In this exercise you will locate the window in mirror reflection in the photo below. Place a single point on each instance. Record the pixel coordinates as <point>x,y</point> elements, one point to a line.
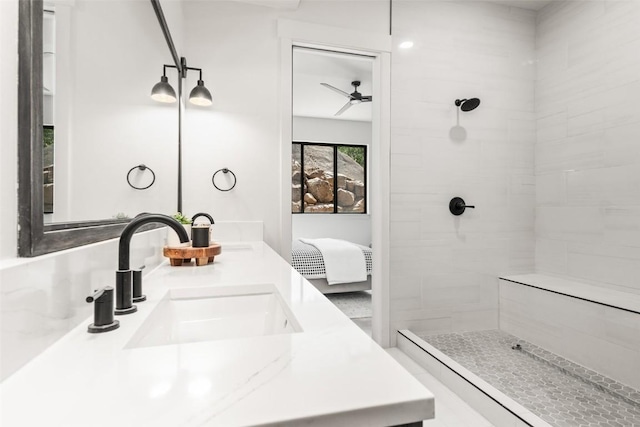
<point>48,169</point>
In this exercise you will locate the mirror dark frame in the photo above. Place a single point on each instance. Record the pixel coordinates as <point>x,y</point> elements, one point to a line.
<point>180,64</point>
<point>34,237</point>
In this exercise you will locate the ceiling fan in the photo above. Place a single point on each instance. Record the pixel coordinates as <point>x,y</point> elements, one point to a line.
<point>354,98</point>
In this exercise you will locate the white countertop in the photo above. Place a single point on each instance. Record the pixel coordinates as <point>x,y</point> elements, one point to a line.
<point>330,374</point>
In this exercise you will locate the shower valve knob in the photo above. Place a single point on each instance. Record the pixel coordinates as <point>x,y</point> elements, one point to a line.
<point>457,206</point>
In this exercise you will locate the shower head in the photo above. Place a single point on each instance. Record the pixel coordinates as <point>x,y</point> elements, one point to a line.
<point>467,104</point>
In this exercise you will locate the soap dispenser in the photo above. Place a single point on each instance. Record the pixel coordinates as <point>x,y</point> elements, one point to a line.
<point>201,233</point>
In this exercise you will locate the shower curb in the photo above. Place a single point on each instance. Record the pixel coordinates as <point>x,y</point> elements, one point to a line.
<point>491,403</point>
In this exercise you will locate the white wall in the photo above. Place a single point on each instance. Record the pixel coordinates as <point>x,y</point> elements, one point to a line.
<point>313,129</point>
<point>106,123</point>
<point>587,151</point>
<point>444,268</point>
<point>8,128</point>
<point>577,148</point>
<point>172,10</point>
<point>237,46</point>
<point>354,228</point>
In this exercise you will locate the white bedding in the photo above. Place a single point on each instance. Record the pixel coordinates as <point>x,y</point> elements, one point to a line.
<point>344,261</point>
<point>308,261</point>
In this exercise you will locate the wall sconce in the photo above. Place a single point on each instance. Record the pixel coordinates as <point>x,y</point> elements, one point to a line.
<point>163,91</point>
<point>200,95</point>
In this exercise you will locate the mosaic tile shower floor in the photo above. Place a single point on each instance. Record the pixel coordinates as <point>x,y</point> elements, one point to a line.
<point>559,391</point>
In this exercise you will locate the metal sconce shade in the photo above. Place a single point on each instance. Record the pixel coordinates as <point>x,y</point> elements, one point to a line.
<point>163,92</point>
<point>200,95</point>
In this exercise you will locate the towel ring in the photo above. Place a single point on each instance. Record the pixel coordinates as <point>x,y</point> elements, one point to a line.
<point>224,170</point>
<point>142,168</point>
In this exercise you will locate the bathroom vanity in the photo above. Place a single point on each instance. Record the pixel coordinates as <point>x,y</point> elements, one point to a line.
<point>243,341</point>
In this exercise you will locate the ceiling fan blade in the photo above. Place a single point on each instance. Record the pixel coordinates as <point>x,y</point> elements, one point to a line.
<point>343,109</point>
<point>367,98</point>
<point>335,89</point>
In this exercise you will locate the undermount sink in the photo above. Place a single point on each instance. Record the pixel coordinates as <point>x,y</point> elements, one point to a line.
<point>215,313</point>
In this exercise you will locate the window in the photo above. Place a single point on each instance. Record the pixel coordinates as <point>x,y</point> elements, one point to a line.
<point>328,178</point>
<point>47,161</point>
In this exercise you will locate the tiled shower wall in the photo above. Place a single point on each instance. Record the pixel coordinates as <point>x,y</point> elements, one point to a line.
<point>444,268</point>
<point>588,141</point>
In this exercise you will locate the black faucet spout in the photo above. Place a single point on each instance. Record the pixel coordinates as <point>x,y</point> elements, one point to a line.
<point>137,222</point>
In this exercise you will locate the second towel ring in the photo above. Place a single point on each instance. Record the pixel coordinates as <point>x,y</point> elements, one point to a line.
<point>225,171</point>
<point>142,168</point>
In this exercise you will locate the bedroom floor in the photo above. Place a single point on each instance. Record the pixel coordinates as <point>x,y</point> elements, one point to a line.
<point>356,306</point>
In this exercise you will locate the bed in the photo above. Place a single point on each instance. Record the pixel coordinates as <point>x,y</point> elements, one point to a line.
<point>308,261</point>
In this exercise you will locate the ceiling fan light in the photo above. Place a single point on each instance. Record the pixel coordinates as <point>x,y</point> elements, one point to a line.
<point>354,98</point>
<point>200,95</point>
<point>163,92</point>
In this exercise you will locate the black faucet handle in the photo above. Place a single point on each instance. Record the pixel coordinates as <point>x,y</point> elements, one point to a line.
<point>102,311</point>
<point>137,286</point>
<point>97,294</point>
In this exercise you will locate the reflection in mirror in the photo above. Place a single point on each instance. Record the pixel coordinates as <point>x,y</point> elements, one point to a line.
<point>98,121</point>
<point>85,119</point>
<point>48,90</point>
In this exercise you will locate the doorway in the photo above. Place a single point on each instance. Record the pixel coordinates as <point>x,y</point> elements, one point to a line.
<point>331,137</point>
<point>294,33</point>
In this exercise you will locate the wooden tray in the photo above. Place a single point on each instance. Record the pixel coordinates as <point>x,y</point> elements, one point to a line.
<point>179,255</point>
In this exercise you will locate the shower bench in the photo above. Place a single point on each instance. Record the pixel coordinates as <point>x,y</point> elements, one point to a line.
<point>597,326</point>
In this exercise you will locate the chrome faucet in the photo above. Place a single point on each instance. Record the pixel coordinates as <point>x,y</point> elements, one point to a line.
<point>129,285</point>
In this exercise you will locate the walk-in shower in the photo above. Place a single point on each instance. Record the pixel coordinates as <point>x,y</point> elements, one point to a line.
<point>550,158</point>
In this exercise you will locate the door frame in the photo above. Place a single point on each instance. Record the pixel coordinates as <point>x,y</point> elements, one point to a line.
<point>303,34</point>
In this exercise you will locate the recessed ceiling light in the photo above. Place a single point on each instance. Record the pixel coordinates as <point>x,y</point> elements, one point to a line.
<point>406,45</point>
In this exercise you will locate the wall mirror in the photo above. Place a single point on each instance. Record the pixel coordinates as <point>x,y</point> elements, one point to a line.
<point>85,119</point>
